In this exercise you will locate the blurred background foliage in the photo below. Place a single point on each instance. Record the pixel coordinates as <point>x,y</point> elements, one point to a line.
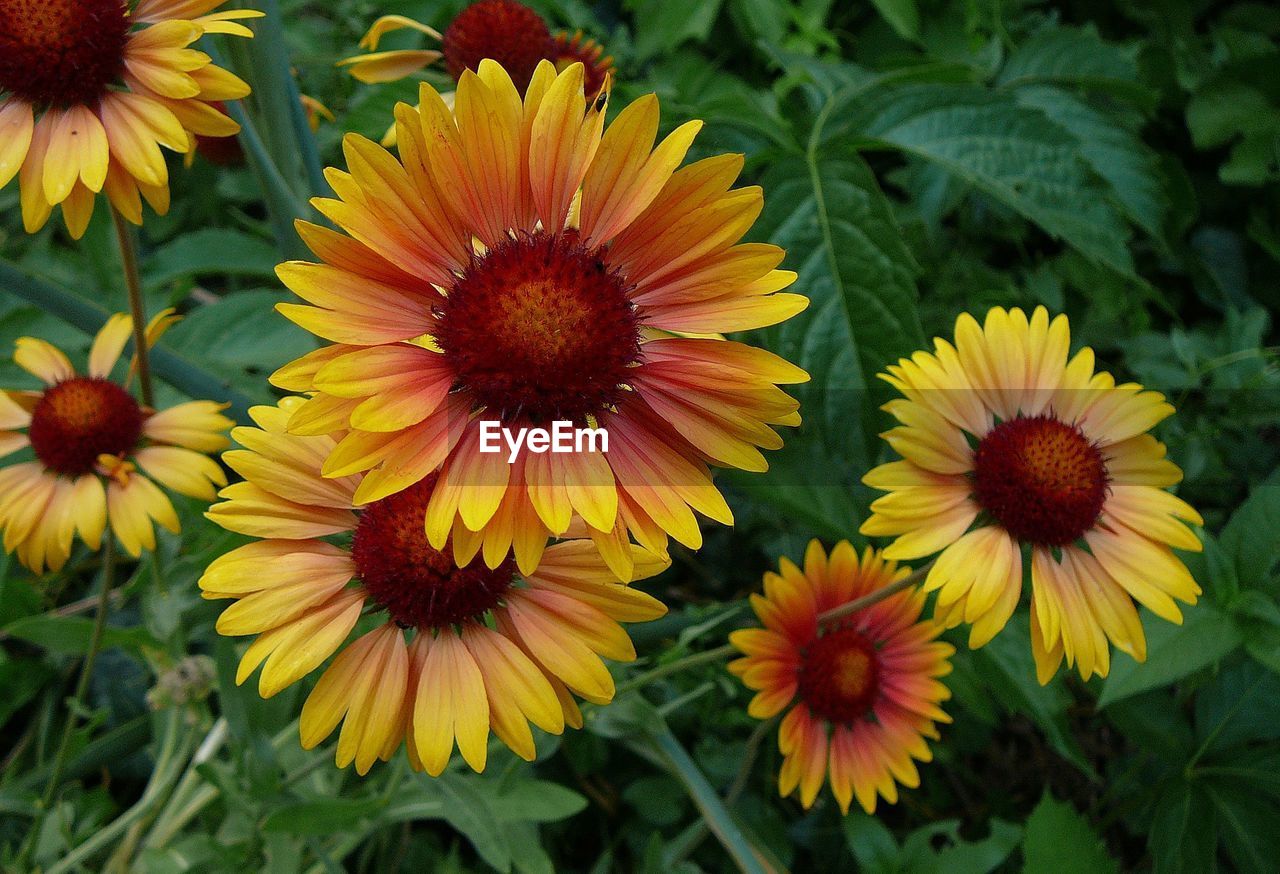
<point>1117,161</point>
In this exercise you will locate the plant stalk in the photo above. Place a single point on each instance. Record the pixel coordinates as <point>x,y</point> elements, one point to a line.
<point>137,307</point>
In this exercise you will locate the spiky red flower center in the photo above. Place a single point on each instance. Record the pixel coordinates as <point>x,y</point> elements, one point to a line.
<point>539,328</point>
<point>840,676</point>
<point>420,586</point>
<point>508,32</point>
<point>79,419</point>
<point>1041,479</point>
<point>569,49</point>
<point>61,52</point>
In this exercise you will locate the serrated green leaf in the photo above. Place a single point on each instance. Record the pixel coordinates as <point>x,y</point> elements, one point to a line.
<point>1114,153</point>
<point>827,210</point>
<point>1058,840</point>
<point>1183,838</point>
<point>1079,56</point>
<point>1011,152</point>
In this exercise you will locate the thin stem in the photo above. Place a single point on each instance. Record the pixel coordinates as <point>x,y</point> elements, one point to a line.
<point>82,687</point>
<point>875,597</point>
<point>722,652</point>
<point>137,308</point>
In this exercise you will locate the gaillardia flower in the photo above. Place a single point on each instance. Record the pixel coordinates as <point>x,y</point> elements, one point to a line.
<point>520,266</point>
<point>1007,445</point>
<point>504,31</point>
<point>97,451</point>
<point>91,89</point>
<point>863,689</point>
<point>490,648</point>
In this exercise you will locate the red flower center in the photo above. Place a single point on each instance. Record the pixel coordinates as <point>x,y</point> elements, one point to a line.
<point>508,32</point>
<point>540,329</point>
<point>79,419</point>
<point>840,677</point>
<point>61,52</point>
<point>417,584</point>
<point>1041,479</point>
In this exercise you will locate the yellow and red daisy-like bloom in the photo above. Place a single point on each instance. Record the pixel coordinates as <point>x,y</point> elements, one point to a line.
<point>863,689</point>
<point>1007,445</point>
<point>504,31</point>
<point>97,452</point>
<point>91,89</point>
<point>490,648</point>
<point>520,265</point>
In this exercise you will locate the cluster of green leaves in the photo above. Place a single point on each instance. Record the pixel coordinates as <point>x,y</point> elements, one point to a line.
<point>920,158</point>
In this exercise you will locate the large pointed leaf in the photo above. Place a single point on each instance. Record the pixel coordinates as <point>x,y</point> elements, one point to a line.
<point>1011,152</point>
<point>826,210</point>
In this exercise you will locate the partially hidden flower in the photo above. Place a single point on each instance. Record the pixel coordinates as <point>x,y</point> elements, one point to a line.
<point>520,265</point>
<point>861,692</point>
<point>91,89</point>
<point>457,651</point>
<point>1011,448</point>
<point>98,453</point>
<point>505,31</point>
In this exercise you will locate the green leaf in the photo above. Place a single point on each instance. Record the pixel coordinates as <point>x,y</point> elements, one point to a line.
<point>1076,56</point>
<point>535,801</point>
<point>871,843</point>
<point>1183,838</point>
<point>1058,840</point>
<point>70,635</point>
<point>1011,152</point>
<point>242,339</point>
<point>1113,152</point>
<point>938,848</point>
<point>1246,828</point>
<point>219,251</point>
<point>663,25</point>
<point>1173,651</point>
<point>1249,538</point>
<point>903,16</point>
<point>468,811</point>
<point>826,209</point>
<point>321,816</point>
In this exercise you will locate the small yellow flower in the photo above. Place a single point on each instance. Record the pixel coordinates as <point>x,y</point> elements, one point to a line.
<point>1042,453</point>
<point>97,452</point>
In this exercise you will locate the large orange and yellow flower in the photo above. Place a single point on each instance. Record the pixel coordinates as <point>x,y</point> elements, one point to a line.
<point>863,689</point>
<point>97,451</point>
<point>91,89</point>
<point>521,265</point>
<point>490,648</point>
<point>1007,444</point>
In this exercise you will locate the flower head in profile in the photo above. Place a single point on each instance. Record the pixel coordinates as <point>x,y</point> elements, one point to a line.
<point>98,453</point>
<point>521,265</point>
<point>1010,447</point>
<point>505,31</point>
<point>91,89</point>
<point>457,651</point>
<point>863,689</point>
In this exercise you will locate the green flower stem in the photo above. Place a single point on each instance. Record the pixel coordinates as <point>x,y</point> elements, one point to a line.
<point>137,308</point>
<point>75,310</point>
<point>170,762</point>
<point>78,699</point>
